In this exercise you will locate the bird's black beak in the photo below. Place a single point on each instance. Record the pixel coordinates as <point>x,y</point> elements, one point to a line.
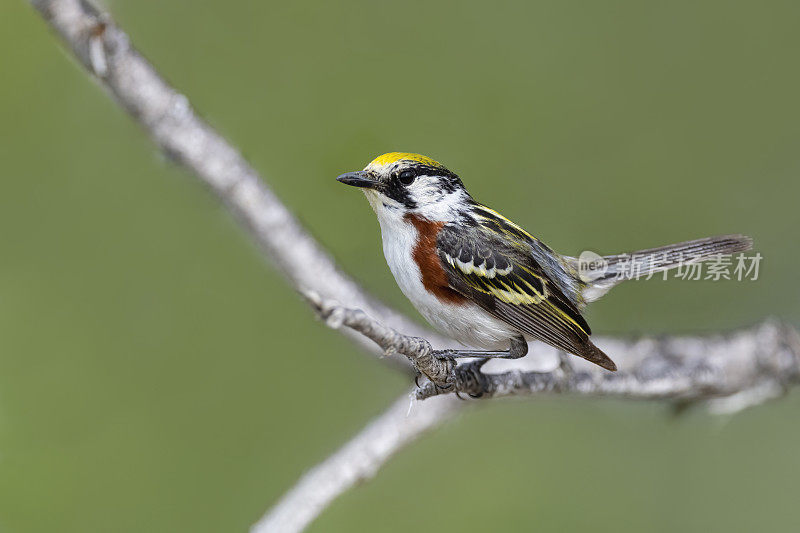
<point>358,179</point>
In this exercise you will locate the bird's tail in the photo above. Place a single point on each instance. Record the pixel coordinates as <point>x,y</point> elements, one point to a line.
<point>607,271</point>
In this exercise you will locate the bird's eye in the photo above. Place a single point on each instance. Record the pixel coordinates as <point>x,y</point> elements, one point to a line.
<point>407,177</point>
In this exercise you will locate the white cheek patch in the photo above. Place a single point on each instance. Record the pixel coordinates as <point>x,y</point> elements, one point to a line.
<point>435,203</point>
<point>425,191</point>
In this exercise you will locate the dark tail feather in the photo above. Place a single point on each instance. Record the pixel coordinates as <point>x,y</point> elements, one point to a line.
<point>623,267</point>
<point>595,355</point>
<point>666,257</point>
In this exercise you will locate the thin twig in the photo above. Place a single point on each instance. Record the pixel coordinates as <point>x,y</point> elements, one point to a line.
<point>440,371</point>
<point>358,460</point>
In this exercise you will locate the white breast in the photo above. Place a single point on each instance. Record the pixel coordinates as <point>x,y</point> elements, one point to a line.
<point>466,323</point>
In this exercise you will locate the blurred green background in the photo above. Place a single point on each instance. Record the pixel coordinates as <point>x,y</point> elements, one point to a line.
<point>149,357</point>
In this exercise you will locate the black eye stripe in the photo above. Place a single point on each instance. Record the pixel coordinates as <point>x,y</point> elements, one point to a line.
<point>396,184</point>
<point>449,179</point>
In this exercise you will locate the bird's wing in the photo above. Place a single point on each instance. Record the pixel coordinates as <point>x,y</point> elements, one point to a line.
<point>503,277</point>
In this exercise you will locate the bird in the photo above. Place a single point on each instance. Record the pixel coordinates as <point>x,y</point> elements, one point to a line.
<point>485,282</point>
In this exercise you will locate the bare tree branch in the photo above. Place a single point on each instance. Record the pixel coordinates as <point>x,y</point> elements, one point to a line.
<point>729,372</point>
<point>748,363</point>
<point>441,372</point>
<point>753,364</point>
<point>357,461</point>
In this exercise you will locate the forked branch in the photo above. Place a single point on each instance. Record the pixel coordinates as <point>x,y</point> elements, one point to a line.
<point>727,373</point>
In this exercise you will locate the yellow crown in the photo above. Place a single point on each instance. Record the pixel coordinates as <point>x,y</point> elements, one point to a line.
<point>394,157</point>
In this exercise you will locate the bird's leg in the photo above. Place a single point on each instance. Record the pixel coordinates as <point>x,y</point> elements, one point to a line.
<point>519,348</point>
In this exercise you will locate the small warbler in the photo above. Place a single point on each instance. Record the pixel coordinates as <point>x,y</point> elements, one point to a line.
<point>482,279</point>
